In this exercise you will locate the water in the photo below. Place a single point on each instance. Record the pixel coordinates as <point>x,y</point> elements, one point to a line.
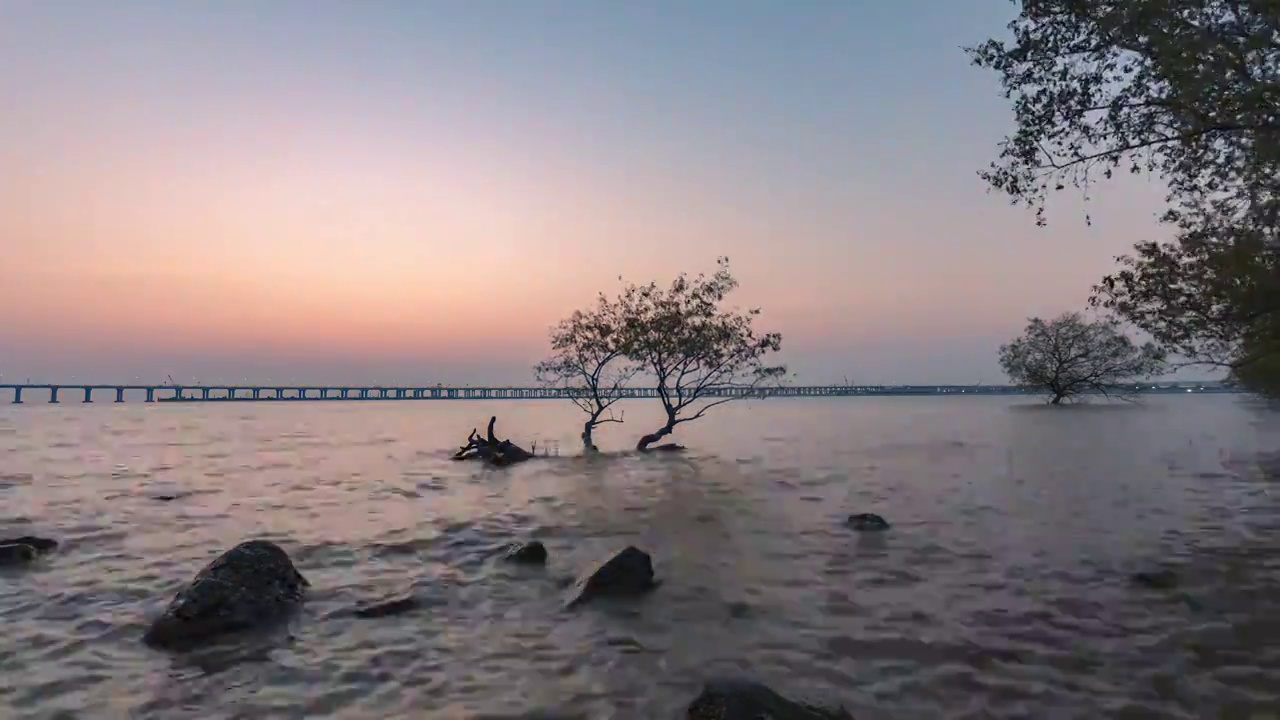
<point>1002,590</point>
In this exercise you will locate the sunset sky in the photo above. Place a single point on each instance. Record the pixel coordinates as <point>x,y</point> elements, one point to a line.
<point>325,191</point>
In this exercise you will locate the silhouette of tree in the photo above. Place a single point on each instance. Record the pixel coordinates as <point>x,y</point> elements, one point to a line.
<point>589,362</point>
<point>699,353</point>
<point>1070,356</point>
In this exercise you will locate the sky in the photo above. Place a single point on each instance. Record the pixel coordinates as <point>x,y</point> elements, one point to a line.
<point>415,191</point>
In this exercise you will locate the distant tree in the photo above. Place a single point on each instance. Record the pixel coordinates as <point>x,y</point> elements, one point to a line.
<point>1188,91</point>
<point>699,353</point>
<point>1070,356</point>
<point>589,362</point>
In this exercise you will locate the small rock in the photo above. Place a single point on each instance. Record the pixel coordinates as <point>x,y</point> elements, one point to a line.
<point>530,553</point>
<point>733,699</point>
<point>386,608</point>
<point>251,584</point>
<point>16,554</point>
<point>39,544</point>
<point>1161,580</point>
<point>868,522</point>
<point>628,572</point>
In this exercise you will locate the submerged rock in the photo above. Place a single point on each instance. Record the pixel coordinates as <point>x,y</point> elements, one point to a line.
<point>530,553</point>
<point>628,572</point>
<point>39,544</point>
<point>386,608</point>
<point>16,554</point>
<point>868,522</point>
<point>1160,580</point>
<point>734,699</point>
<point>251,584</point>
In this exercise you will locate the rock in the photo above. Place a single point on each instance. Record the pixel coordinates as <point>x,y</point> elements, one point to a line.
<point>530,553</point>
<point>386,608</point>
<point>39,544</point>
<point>16,554</point>
<point>733,699</point>
<point>628,572</point>
<point>868,522</point>
<point>251,584</point>
<point>1161,580</point>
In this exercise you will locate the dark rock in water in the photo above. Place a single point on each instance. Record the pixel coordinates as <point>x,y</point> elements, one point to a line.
<point>251,584</point>
<point>386,608</point>
<point>734,699</point>
<point>1161,580</point>
<point>868,522</point>
<point>530,553</point>
<point>16,554</point>
<point>39,544</point>
<point>629,572</point>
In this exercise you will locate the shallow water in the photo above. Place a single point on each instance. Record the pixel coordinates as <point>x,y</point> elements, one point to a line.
<point>1001,591</point>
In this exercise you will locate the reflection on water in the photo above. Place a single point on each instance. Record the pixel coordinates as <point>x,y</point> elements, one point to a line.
<point>1003,589</point>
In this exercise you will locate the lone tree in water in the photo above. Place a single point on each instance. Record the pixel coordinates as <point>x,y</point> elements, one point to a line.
<point>698,353</point>
<point>1188,91</point>
<point>1070,356</point>
<point>588,361</point>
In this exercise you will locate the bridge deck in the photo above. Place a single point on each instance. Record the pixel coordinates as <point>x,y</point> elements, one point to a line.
<point>277,393</point>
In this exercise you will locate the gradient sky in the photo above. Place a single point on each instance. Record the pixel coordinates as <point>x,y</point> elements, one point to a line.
<point>327,191</point>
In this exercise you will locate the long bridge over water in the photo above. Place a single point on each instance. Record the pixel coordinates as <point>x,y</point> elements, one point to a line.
<point>56,392</point>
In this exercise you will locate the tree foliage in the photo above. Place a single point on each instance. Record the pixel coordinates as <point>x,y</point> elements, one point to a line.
<point>588,360</point>
<point>1070,356</point>
<point>1186,90</point>
<point>699,353</point>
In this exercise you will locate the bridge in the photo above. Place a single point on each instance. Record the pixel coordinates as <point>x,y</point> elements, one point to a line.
<point>55,392</point>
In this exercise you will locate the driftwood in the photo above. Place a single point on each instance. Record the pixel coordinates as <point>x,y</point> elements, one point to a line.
<point>490,449</point>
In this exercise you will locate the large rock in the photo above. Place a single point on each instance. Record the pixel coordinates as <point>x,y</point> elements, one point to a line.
<point>868,522</point>
<point>628,572</point>
<point>23,550</point>
<point>39,544</point>
<point>530,553</point>
<point>251,584</point>
<point>733,699</point>
<point>16,554</point>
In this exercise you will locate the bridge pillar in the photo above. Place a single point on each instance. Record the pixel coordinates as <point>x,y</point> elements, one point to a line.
<point>53,395</point>
<point>302,393</point>
<point>17,396</point>
<point>120,394</point>
<point>204,393</point>
<point>177,393</point>
<point>231,393</point>
<point>257,393</point>
<point>151,394</point>
<point>279,393</point>
<point>88,395</point>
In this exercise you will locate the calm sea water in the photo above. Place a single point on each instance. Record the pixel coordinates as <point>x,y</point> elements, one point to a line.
<point>1002,590</point>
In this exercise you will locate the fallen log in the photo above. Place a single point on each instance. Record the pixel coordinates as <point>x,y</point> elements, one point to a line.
<point>488,448</point>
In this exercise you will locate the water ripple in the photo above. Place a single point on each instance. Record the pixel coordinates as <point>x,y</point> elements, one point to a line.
<point>1002,591</point>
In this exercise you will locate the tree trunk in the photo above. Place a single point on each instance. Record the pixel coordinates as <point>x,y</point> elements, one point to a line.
<point>1057,399</point>
<point>653,437</point>
<point>588,446</point>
